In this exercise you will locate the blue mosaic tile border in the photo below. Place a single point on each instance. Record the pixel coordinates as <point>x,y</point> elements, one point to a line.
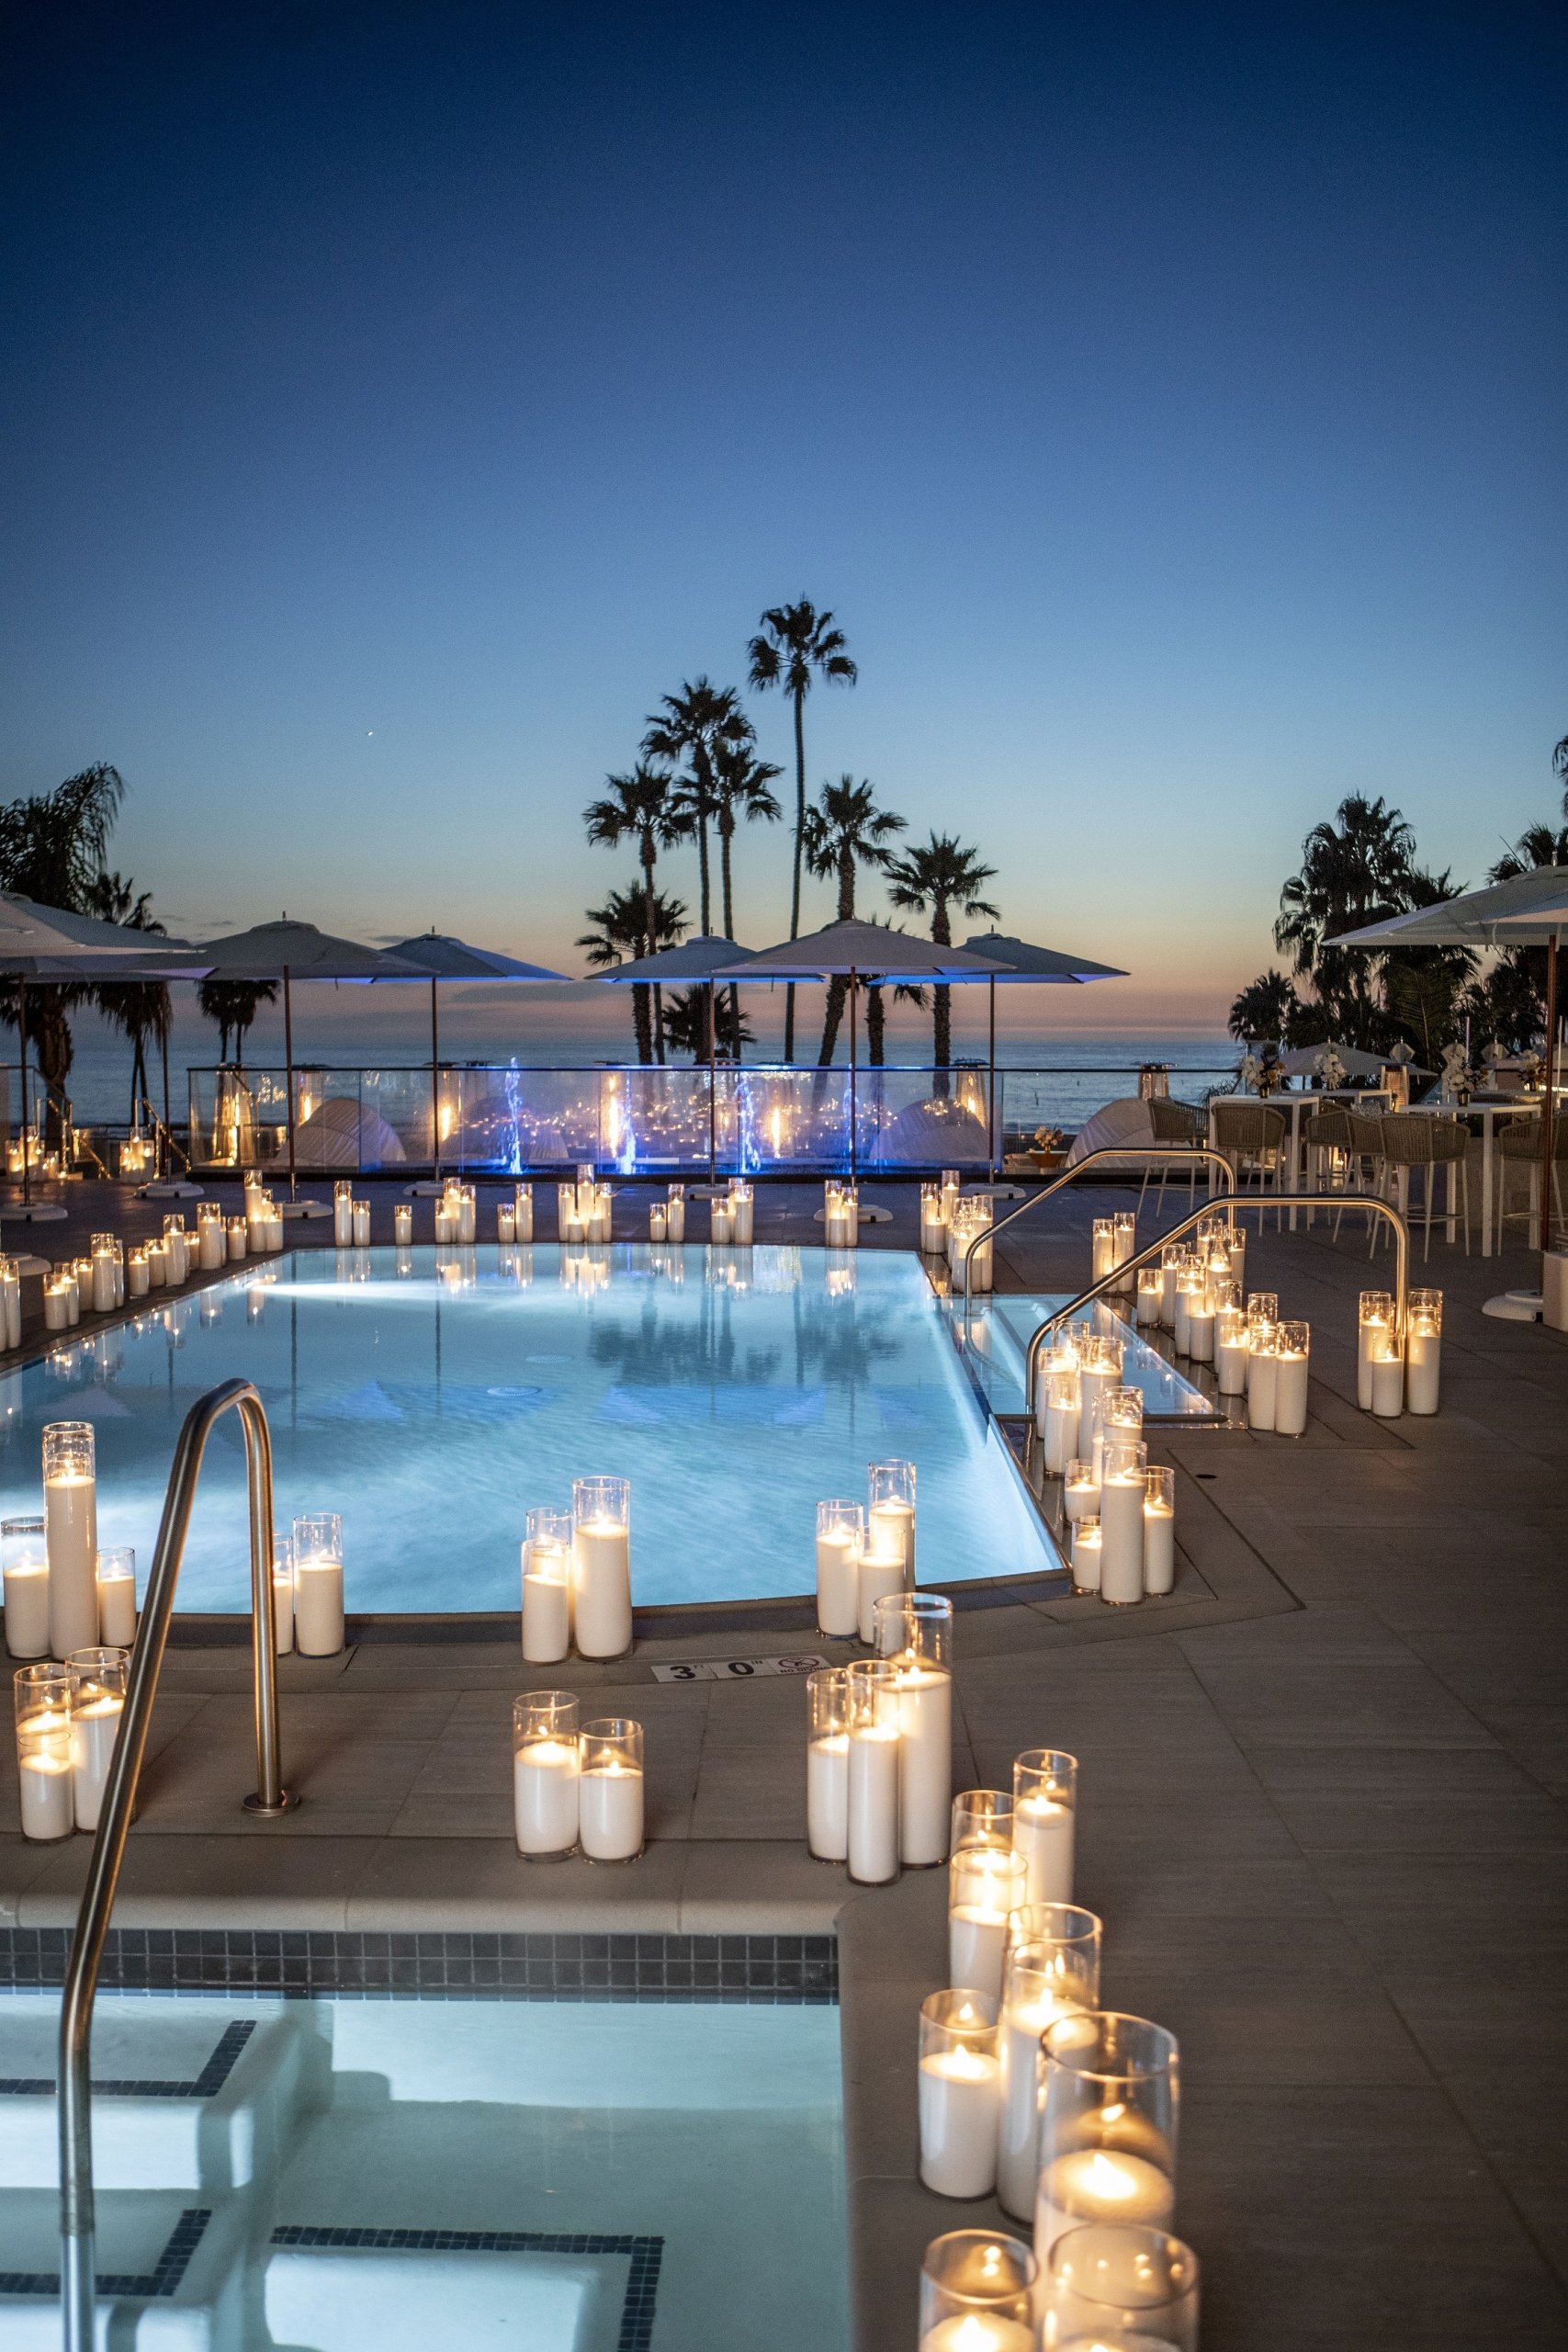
<point>306,1964</point>
<point>206,2085</point>
<point>151,2285</point>
<point>646,2256</point>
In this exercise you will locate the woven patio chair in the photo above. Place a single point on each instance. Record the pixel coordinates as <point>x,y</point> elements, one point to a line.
<point>1252,1137</point>
<point>1411,1141</point>
<point>1173,1123</point>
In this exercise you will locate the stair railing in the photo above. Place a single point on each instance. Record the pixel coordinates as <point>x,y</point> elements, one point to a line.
<point>78,2282</point>
<point>1179,1151</point>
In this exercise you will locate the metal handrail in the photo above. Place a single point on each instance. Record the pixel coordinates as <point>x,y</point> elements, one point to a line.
<point>1102,1151</point>
<point>78,2284</point>
<point>1113,1281</point>
<point>168,1143</point>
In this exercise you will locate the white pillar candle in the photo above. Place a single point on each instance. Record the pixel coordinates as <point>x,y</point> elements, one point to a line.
<point>1424,1349</point>
<point>1262,1387</point>
<point>47,1804</point>
<point>1201,1331</point>
<point>611,1812</point>
<point>342,1216</point>
<point>1150,1285</point>
<point>874,1802</point>
<point>1085,1555</point>
<point>468,1217</point>
<point>658,1223</point>
<point>505,1224</point>
<point>1290,1386</point>
<point>1230,1355</point>
<point>828,1797</point>
<point>545,1782</point>
<point>1018,2121</point>
<point>546,1603</point>
<point>11,1304</point>
<point>1080,1491</point>
<point>602,1587</point>
<point>987,1887</point>
<point>117,1601</point>
<point>26,1607</point>
<point>1159,1544</point>
<point>1043,1834</point>
<point>239,1244</point>
<point>174,1258</point>
<point>1122,1536</point>
<point>1100,2184</point>
<point>878,1572</point>
<point>1185,1295</point>
<point>282,1610</point>
<point>56,1307</point>
<point>103,1282</point>
<point>1093,1379</point>
<point>1388,1383</point>
<point>95,1726</point>
<point>742,1210</point>
<point>891,1527</point>
<point>838,1582</point>
<point>213,1244</point>
<point>362,1224</point>
<point>1375,1322</point>
<point>1062,1422</point>
<point>1169,1270</point>
<point>71,1521</point>
<point>318,1608</point>
<point>925,1764</point>
<point>721,1225</point>
<point>959,2101</point>
<point>402,1224</point>
<point>675,1217</point>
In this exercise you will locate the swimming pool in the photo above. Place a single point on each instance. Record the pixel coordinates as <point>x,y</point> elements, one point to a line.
<point>434,1397</point>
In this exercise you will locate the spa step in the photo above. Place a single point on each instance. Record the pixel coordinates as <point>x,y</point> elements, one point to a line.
<point>170,2268</point>
<point>408,2297</point>
<point>188,2095</point>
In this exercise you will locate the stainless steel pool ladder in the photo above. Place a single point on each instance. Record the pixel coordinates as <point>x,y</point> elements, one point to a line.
<point>77,2276</point>
<point>1177,1151</point>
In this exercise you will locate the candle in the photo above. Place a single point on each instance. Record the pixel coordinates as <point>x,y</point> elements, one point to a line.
<point>601,1565</point>
<point>933,1224</point>
<point>1262,1378</point>
<point>1059,1413</point>
<point>1047,1976</point>
<point>980,2332</point>
<point>1423,1351</point>
<point>402,1224</point>
<point>891,1514</point>
<point>545,1780</point>
<point>1374,1324</point>
<point>925,1762</point>
<point>1291,1348</point>
<point>1100,2185</point>
<point>43,1750</point>
<point>318,1584</point>
<point>1387,1380</point>
<point>1120,2287</point>
<point>985,1885</point>
<point>828,1764</point>
<point>873,1712</point>
<point>547,1588</point>
<point>1102,1248</point>
<point>71,1519</point>
<point>1094,1377</point>
<point>176,1249</point>
<point>1108,2125</point>
<point>103,1282</point>
<point>840,1528</point>
<point>1080,1491</point>
<point>675,1216</point>
<point>1230,1352</point>
<point>1086,1554</point>
<point>362,1224</point>
<point>879,1575</point>
<point>26,1574</point>
<point>523,1210</point>
<point>657,1222</point>
<point>1151,1283</point>
<point>1159,1531</point>
<point>960,2080</point>
<point>742,1210</point>
<point>117,1597</point>
<point>468,1215</point>
<point>1121,1523</point>
<point>975,2294</point>
<point>11,1303</point>
<point>212,1246</point>
<point>721,1225</point>
<point>1045,1781</point>
<point>610,1795</point>
<point>239,1242</point>
<point>282,1595</point>
<point>343,1215</point>
<point>98,1704</point>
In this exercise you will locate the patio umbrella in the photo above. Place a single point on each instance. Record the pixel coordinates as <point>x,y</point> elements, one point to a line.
<point>1023,962</point>
<point>445,958</point>
<point>296,951</point>
<point>1531,910</point>
<point>849,949</point>
<point>695,959</point>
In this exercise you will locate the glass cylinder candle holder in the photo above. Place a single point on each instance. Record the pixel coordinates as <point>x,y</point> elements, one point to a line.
<point>71,1517</point>
<point>976,2293</point>
<point>1080,1491</point>
<point>212,1244</point>
<point>318,1584</point>
<point>1292,1349</point>
<point>1085,1553</point>
<point>1230,1352</point>
<point>1100,1370</point>
<point>914,1630</point>
<point>1262,1374</point>
<point>1159,1531</point>
<point>402,1224</point>
<point>98,1675</point>
<point>24,1565</point>
<point>658,1223</point>
<point>11,1302</point>
<point>1118,1415</point>
<point>547,1587</point>
<point>1151,1285</point>
<point>721,1225</point>
<point>1124,1244</point>
<point>523,1210</point>
<point>117,1597</point>
<point>602,1573</point>
<point>1060,1413</point>
<point>880,1575</point>
<point>1374,1327</point>
<point>58,1292</point>
<point>981,1817</point>
<point>1102,1245</point>
<point>933,1224</point>
<point>743,1211</point>
<point>1262,1306</point>
<point>1108,2283</point>
<point>176,1248</point>
<point>840,1538</point>
<point>1122,1492</point>
<point>675,1214</point>
<point>1423,1351</point>
<point>342,1213</point>
<point>610,1795</point>
<point>828,1764</point>
<point>1045,1977</point>
<point>1387,1364</point>
<point>362,1224</point>
<point>42,1695</point>
<point>978,1259</point>
<point>1108,2125</point>
<point>282,1594</point>
<point>986,1884</point>
<point>547,1767</point>
<point>101,1277</point>
<point>873,1719</point>
<point>891,1507</point>
<point>1192,1285</point>
<point>239,1238</point>
<point>959,2093</point>
<point>1046,1798</point>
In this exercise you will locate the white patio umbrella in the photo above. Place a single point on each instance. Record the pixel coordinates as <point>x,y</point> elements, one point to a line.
<point>296,951</point>
<point>1023,962</point>
<point>702,958</point>
<point>445,958</point>
<point>1531,910</point>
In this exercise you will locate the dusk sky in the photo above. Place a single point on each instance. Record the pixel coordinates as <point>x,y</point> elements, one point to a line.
<point>1167,401</point>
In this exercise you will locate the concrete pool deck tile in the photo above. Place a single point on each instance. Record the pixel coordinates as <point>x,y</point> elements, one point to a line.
<point>1389,1893</point>
<point>1409,1801</point>
<point>23,1862</point>
<point>1537,1739</point>
<point>1308,1702</point>
<point>744,1794</point>
<point>891,2222</point>
<point>1348,1634</point>
<point>748,1887</point>
<point>485,1887</point>
<point>207,1882</point>
<point>1516,2114</point>
<point>1496,1665</point>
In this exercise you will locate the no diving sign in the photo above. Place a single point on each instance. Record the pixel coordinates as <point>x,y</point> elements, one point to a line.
<point>738,1669</point>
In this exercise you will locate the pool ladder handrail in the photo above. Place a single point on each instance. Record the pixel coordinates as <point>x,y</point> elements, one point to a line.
<point>78,2284</point>
<point>1193,1152</point>
<point>1114,1279</point>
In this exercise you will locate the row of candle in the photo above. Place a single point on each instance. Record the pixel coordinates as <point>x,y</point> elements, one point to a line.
<point>584,1208</point>
<point>68,1717</point>
<point>351,1219</point>
<point>1114,2286</point>
<point>575,1789</point>
<point>577,1575</point>
<point>865,1551</point>
<point>879,1745</point>
<point>24,1578</point>
<point>938,1202</point>
<point>1392,1377</point>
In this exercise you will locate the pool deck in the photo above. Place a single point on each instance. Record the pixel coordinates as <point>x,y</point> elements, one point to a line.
<point>1322,1818</point>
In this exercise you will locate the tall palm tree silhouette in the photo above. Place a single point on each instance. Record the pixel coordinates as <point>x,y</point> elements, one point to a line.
<point>641,807</point>
<point>626,922</point>
<point>740,792</point>
<point>696,726</point>
<point>939,874</point>
<point>795,645</point>
<point>1354,871</point>
<point>844,830</point>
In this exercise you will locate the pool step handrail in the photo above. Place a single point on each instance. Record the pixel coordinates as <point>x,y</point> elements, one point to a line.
<point>1115,1280</point>
<point>1179,1151</point>
<point>78,2284</point>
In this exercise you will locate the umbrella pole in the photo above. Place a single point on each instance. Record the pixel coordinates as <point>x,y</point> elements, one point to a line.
<point>713,1081</point>
<point>991,1078</point>
<point>289,1061</point>
<point>1549,1100</point>
<point>22,1033</point>
<point>854,1140</point>
<point>435,1085</point>
<point>169,1170</point>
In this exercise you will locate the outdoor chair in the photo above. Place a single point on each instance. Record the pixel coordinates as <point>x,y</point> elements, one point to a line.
<point>1174,1125</point>
<point>1412,1140</point>
<point>1518,1146</point>
<point>1331,1160</point>
<point>1252,1137</point>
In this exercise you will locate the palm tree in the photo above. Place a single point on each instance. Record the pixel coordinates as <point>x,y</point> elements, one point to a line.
<point>695,725</point>
<point>1263,1010</point>
<point>1354,871</point>
<point>942,874</point>
<point>140,1007</point>
<point>631,924</point>
<point>53,848</point>
<point>233,1006</point>
<point>741,791</point>
<point>845,828</point>
<point>686,1026</point>
<point>640,807</point>
<point>796,644</point>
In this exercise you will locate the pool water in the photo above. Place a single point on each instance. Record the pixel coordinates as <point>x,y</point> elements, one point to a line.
<point>433,1399</point>
<point>388,2175</point>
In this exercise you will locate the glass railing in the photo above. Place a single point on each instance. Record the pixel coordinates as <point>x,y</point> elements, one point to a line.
<point>502,1118</point>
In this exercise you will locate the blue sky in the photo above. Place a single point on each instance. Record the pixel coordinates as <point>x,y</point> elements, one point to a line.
<point>398,400</point>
